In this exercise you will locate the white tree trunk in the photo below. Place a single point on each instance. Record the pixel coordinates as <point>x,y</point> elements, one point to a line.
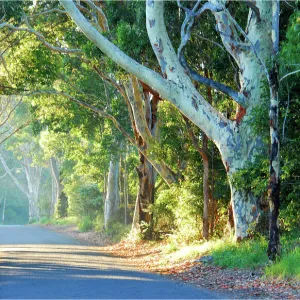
<point>3,209</point>
<point>56,184</point>
<point>112,200</point>
<point>33,176</point>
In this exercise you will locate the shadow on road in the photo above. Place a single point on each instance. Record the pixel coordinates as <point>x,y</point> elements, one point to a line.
<point>51,271</point>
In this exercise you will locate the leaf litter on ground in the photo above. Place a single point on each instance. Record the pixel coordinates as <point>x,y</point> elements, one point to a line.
<point>152,257</point>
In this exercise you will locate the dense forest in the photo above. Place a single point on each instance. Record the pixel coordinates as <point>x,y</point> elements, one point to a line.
<point>175,119</point>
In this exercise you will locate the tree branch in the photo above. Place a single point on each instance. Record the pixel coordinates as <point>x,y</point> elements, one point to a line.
<point>10,112</point>
<point>123,60</point>
<point>47,12</point>
<point>12,176</point>
<point>200,150</point>
<point>239,98</point>
<point>179,90</point>
<point>41,38</point>
<point>15,131</point>
<point>289,74</point>
<point>252,5</point>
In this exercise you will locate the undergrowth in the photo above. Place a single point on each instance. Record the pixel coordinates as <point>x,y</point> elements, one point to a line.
<point>62,221</point>
<point>249,254</point>
<point>288,266</point>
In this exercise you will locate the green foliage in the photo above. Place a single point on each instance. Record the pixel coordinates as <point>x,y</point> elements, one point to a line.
<point>84,198</point>
<point>290,215</point>
<point>290,48</point>
<point>258,120</point>
<point>85,224</point>
<point>254,177</point>
<point>117,231</point>
<point>248,254</point>
<point>98,223</point>
<point>179,209</point>
<point>44,220</point>
<point>61,210</point>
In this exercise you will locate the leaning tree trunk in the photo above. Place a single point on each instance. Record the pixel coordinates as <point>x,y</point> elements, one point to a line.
<point>112,200</point>
<point>144,108</point>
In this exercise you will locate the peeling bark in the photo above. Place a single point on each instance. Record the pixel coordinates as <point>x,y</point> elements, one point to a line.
<point>274,181</point>
<point>144,107</point>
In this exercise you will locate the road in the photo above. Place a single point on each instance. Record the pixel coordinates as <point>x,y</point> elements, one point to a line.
<point>36,263</point>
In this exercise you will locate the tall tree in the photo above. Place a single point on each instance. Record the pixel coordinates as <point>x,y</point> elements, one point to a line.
<point>235,140</point>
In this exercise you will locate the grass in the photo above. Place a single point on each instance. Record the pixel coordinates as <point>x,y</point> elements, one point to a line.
<point>64,221</point>
<point>189,252</point>
<point>288,266</point>
<point>249,254</point>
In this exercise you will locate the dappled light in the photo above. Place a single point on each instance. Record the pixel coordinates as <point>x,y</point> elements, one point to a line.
<point>165,133</point>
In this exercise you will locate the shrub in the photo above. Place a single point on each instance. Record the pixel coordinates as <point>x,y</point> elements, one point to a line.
<point>61,210</point>
<point>98,223</point>
<point>86,224</point>
<point>117,231</point>
<point>179,209</point>
<point>45,220</point>
<point>84,198</point>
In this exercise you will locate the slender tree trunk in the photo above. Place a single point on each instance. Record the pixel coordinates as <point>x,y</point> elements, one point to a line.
<point>33,176</point>
<point>125,192</point>
<point>212,222</point>
<point>112,200</point>
<point>57,185</point>
<point>3,209</point>
<point>204,154</point>
<point>274,182</point>
<point>54,195</point>
<point>206,198</point>
<point>205,159</point>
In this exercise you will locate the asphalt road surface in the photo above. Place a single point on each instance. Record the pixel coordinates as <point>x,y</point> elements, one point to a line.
<point>36,263</point>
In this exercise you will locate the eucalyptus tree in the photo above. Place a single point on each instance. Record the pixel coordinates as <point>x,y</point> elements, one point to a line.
<point>251,50</point>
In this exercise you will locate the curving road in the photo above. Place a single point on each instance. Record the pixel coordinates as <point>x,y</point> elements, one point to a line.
<point>36,263</point>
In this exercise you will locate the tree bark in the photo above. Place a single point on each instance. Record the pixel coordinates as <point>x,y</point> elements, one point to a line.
<point>213,206</point>
<point>112,200</point>
<point>144,109</point>
<point>57,185</point>
<point>33,176</point>
<point>3,209</point>
<point>274,182</point>
<point>145,196</point>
